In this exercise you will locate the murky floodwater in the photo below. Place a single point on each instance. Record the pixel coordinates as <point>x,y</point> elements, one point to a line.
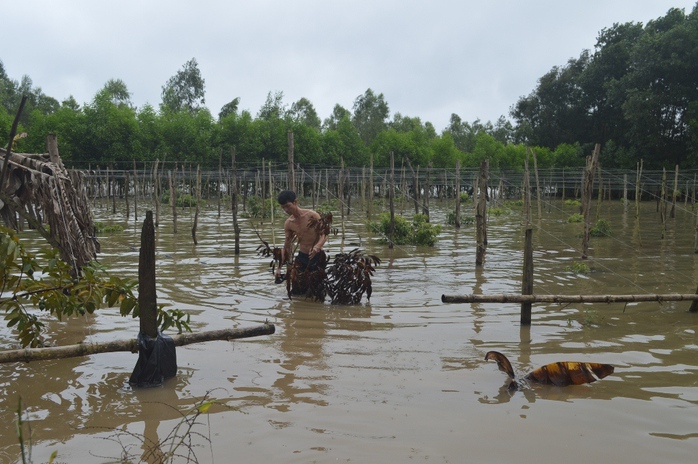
<point>402,378</point>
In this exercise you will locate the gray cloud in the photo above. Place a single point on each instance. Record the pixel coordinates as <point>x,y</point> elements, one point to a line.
<point>428,58</point>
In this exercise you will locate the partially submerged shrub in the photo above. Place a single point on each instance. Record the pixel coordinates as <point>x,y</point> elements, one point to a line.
<point>464,220</point>
<point>258,208</point>
<point>101,228</point>
<point>601,229</point>
<point>578,268</point>
<point>576,217</point>
<point>418,232</point>
<point>572,203</point>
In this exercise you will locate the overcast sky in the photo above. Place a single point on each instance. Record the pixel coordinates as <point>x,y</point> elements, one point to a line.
<point>429,59</point>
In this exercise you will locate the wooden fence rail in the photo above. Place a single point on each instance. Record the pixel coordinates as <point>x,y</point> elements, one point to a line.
<point>514,298</point>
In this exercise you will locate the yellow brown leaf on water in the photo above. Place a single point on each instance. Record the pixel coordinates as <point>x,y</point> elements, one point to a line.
<point>502,362</point>
<point>569,373</point>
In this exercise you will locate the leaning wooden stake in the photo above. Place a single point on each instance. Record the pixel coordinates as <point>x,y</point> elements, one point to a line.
<point>86,349</point>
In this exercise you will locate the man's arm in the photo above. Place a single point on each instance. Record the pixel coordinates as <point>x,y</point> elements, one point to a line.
<point>319,241</point>
<point>287,250</point>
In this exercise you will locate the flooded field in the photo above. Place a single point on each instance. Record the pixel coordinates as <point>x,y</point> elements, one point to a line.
<point>401,378</point>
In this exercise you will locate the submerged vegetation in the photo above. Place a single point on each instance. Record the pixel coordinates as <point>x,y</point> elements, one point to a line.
<point>417,232</point>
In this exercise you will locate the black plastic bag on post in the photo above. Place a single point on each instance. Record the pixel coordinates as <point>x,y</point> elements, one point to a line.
<point>157,361</point>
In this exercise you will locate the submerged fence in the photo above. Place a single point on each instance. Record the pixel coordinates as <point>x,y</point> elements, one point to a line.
<point>436,182</point>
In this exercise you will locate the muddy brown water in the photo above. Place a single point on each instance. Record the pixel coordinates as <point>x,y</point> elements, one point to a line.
<point>402,378</point>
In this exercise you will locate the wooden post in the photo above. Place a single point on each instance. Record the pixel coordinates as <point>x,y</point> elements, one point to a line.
<point>663,202</point>
<point>457,194</point>
<point>527,281</point>
<point>392,200</point>
<point>220,180</point>
<point>234,201</point>
<point>481,215</point>
<point>415,187</point>
<point>535,170</point>
<point>340,194</point>
<point>156,192</point>
<point>198,201</point>
<point>135,191</point>
<point>625,192</point>
<point>369,211</point>
<point>128,206</point>
<point>427,192</point>
<point>638,192</point>
<point>291,174</point>
<point>587,191</point>
<point>147,297</point>
<point>672,214</point>
<point>173,202</point>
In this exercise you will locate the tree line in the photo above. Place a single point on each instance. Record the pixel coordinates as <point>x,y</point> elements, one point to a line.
<point>636,93</point>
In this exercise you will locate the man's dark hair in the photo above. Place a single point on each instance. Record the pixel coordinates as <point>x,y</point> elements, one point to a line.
<point>286,196</point>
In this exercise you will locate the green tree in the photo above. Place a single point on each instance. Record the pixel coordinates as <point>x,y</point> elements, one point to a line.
<point>445,152</point>
<point>117,90</point>
<point>229,108</point>
<point>184,90</point>
<point>661,85</point>
<point>344,142</point>
<point>190,137</point>
<point>303,112</point>
<point>370,115</point>
<point>111,132</point>
<point>338,113</point>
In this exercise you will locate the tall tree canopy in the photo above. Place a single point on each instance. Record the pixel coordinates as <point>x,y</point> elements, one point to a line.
<point>184,90</point>
<point>637,94</point>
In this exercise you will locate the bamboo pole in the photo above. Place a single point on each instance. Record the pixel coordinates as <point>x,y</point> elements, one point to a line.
<point>514,298</point>
<point>86,349</point>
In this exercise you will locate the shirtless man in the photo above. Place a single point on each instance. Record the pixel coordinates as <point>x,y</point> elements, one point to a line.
<point>310,239</point>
